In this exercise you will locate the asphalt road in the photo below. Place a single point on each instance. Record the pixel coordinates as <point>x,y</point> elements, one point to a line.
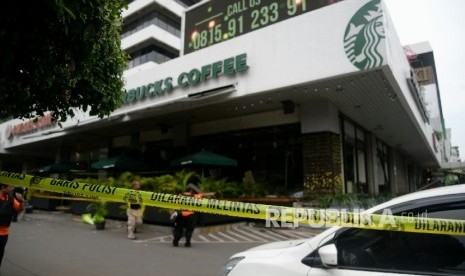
<point>58,243</point>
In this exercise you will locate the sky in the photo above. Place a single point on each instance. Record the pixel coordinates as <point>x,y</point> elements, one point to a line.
<point>441,23</point>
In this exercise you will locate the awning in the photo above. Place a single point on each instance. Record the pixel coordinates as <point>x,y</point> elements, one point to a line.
<point>121,163</point>
<point>64,167</point>
<point>205,158</point>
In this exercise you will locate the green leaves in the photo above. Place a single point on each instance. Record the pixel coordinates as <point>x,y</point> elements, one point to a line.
<point>99,210</point>
<point>69,58</point>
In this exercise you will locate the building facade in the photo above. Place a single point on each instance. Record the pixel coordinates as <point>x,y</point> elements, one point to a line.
<point>315,97</point>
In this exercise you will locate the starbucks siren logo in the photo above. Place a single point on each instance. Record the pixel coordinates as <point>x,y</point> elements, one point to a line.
<point>364,34</point>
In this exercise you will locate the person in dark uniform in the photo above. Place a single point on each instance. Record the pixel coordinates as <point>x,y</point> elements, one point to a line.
<point>185,221</point>
<point>22,191</point>
<point>9,203</point>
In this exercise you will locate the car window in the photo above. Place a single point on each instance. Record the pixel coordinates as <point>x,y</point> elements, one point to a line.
<point>417,253</point>
<point>313,259</point>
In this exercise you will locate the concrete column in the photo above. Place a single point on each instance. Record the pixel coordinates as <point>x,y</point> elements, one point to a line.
<point>319,116</point>
<point>322,148</point>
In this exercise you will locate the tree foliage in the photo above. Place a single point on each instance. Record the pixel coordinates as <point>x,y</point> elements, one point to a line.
<point>60,55</point>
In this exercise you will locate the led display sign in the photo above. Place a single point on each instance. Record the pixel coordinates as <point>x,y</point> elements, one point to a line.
<point>220,20</point>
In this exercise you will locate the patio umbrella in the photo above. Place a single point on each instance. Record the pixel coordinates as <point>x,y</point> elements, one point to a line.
<point>121,163</point>
<point>205,158</point>
<point>64,167</point>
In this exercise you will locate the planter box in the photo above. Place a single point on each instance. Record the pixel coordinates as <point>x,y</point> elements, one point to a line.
<point>116,211</point>
<point>156,215</point>
<point>279,201</point>
<point>100,225</point>
<point>79,207</point>
<point>44,203</point>
<point>205,219</point>
<point>152,215</point>
<point>161,216</point>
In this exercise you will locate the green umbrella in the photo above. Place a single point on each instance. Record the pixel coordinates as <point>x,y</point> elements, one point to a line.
<point>64,167</point>
<point>205,158</point>
<point>120,163</point>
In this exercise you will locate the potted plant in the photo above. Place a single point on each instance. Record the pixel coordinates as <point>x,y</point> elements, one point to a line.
<point>99,211</point>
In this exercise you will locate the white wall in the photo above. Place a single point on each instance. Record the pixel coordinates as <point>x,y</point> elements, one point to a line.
<point>432,105</point>
<point>276,56</point>
<point>151,32</point>
<point>139,5</point>
<point>401,71</point>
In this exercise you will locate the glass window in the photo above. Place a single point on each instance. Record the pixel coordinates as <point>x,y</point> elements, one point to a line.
<point>354,153</point>
<point>360,134</point>
<point>382,167</point>
<point>150,53</point>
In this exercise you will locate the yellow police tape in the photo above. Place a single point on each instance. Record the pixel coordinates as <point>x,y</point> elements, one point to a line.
<point>275,215</point>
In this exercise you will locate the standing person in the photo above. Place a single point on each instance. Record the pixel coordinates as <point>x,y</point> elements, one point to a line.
<point>22,191</point>
<point>185,221</point>
<point>9,203</point>
<point>135,213</point>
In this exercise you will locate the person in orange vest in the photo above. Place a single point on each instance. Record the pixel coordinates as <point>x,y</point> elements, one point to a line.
<point>9,204</point>
<point>185,220</point>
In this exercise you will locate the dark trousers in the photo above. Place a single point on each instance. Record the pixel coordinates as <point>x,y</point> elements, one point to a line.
<point>3,240</point>
<point>184,225</point>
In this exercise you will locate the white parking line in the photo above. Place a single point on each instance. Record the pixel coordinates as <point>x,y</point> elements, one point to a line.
<point>203,238</point>
<point>159,239</point>
<point>264,235</point>
<point>278,235</point>
<point>226,236</point>
<point>215,237</point>
<point>239,236</point>
<point>249,234</point>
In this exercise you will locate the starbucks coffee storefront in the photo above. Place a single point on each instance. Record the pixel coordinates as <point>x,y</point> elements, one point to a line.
<point>323,100</point>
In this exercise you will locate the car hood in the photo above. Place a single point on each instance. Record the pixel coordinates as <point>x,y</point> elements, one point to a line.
<point>279,245</point>
<point>273,249</point>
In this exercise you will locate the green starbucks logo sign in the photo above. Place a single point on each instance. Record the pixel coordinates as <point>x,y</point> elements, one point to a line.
<point>363,36</point>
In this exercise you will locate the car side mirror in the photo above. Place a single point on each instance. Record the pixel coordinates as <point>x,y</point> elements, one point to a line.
<point>328,255</point>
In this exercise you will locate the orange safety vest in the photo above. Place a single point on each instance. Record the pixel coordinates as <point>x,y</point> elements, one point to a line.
<point>186,213</point>
<point>5,229</point>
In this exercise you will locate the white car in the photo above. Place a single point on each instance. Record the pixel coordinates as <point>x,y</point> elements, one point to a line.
<point>351,251</point>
